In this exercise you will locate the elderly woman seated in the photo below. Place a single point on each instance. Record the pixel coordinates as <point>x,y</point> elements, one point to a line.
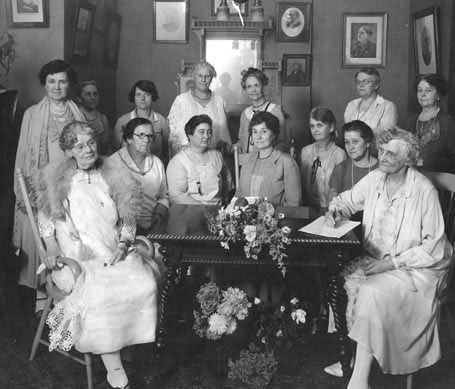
<point>197,174</point>
<point>86,215</point>
<point>145,170</point>
<point>269,172</point>
<point>391,288</point>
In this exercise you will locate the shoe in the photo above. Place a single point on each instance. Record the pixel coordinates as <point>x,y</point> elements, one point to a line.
<point>334,370</point>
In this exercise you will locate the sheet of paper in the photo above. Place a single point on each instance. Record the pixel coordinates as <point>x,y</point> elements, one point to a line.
<point>319,228</point>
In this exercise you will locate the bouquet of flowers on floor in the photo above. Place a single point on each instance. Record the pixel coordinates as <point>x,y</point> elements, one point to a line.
<point>219,310</point>
<point>256,225</point>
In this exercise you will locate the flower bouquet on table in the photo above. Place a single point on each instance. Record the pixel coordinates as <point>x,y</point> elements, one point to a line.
<point>255,224</point>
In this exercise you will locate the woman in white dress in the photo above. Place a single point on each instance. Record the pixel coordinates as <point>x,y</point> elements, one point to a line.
<point>199,100</point>
<point>392,302</point>
<point>86,214</point>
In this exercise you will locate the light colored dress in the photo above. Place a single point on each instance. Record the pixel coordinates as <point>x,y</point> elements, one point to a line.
<point>184,108</point>
<point>394,314</point>
<point>151,183</point>
<point>110,307</point>
<point>245,119</point>
<point>317,192</point>
<point>38,145</point>
<point>198,182</point>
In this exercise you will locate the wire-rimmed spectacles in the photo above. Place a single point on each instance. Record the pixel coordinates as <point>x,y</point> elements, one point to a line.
<point>142,136</point>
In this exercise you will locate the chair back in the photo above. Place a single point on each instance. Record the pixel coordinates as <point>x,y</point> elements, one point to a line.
<point>75,267</point>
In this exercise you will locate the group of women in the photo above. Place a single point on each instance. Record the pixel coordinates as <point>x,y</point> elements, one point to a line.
<point>90,209</point>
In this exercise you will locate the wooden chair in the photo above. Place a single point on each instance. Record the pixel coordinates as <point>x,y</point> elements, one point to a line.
<point>445,184</point>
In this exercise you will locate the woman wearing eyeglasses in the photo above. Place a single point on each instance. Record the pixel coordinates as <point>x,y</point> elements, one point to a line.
<point>318,159</point>
<point>134,160</point>
<point>370,107</point>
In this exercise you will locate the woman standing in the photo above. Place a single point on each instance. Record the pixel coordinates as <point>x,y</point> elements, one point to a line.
<point>370,107</point>
<point>114,304</point>
<point>143,93</point>
<point>197,174</point>
<point>318,159</point>
<point>88,97</point>
<point>268,172</point>
<point>145,170</point>
<point>38,145</point>
<point>253,83</point>
<point>199,100</point>
<point>434,128</point>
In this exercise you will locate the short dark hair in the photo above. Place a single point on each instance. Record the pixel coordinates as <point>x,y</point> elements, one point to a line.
<point>145,85</point>
<point>57,66</point>
<point>436,81</point>
<point>195,121</point>
<point>362,128</point>
<point>324,115</point>
<point>270,121</point>
<point>128,128</point>
<point>68,137</point>
<point>253,72</point>
<point>371,71</point>
<point>83,84</point>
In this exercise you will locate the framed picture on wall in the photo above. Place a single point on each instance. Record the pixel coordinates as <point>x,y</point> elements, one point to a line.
<point>27,13</point>
<point>184,83</point>
<point>426,40</point>
<point>113,25</point>
<point>364,39</point>
<point>296,69</point>
<point>293,22</point>
<point>99,15</point>
<point>232,8</point>
<point>83,30</point>
<point>171,20</point>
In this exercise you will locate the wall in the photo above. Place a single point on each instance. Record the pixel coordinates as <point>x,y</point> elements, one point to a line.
<point>445,30</point>
<point>334,86</point>
<point>141,58</point>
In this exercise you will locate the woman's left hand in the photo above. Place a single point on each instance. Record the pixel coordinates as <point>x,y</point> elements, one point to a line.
<point>119,254</point>
<point>377,267</point>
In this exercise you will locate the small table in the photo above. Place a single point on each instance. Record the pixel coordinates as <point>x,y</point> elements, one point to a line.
<point>185,239</point>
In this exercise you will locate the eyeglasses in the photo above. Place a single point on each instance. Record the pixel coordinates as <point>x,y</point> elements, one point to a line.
<point>314,169</point>
<point>142,136</point>
<point>364,82</point>
<point>204,76</point>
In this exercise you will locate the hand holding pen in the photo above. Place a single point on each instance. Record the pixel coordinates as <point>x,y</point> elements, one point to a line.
<point>332,216</point>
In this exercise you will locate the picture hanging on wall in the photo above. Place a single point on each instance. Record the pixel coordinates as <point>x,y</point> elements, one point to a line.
<point>364,40</point>
<point>83,30</point>
<point>296,69</point>
<point>171,20</point>
<point>232,8</point>
<point>112,39</point>
<point>99,15</point>
<point>426,40</point>
<point>293,22</point>
<point>27,13</point>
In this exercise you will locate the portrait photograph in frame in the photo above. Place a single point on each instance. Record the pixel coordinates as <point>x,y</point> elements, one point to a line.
<point>232,10</point>
<point>113,25</point>
<point>27,13</point>
<point>426,40</point>
<point>171,20</point>
<point>293,22</point>
<point>83,31</point>
<point>364,39</point>
<point>296,69</point>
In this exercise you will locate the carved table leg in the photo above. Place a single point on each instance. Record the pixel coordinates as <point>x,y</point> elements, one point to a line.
<point>338,301</point>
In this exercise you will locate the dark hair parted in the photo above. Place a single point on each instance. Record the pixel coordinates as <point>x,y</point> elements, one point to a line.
<point>371,71</point>
<point>195,121</point>
<point>146,86</point>
<point>253,72</point>
<point>57,66</point>
<point>362,128</point>
<point>128,128</point>
<point>270,121</point>
<point>436,81</point>
<point>68,137</point>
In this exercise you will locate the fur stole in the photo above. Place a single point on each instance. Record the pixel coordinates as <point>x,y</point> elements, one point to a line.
<point>53,183</point>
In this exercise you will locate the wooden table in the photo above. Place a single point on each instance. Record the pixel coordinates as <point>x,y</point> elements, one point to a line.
<point>185,241</point>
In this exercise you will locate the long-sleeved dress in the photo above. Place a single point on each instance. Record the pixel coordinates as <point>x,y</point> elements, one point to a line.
<point>394,314</point>
<point>110,307</point>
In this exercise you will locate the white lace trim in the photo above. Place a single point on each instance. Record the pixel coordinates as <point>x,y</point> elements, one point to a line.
<point>45,226</point>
